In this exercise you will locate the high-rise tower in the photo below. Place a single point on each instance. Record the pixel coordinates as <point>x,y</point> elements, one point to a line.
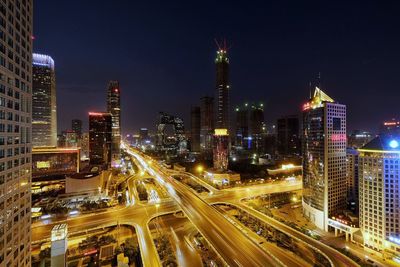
<point>44,113</point>
<point>206,124</point>
<point>114,108</point>
<point>379,182</point>
<point>77,127</point>
<point>100,138</point>
<point>223,88</point>
<point>324,158</point>
<point>15,124</point>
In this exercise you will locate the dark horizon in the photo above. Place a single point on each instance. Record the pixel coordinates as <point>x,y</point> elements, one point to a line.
<point>163,56</point>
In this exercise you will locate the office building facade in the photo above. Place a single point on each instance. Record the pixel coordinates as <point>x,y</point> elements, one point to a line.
<point>195,129</point>
<point>44,108</point>
<point>100,138</point>
<point>242,127</point>
<point>114,108</point>
<point>220,152</point>
<point>358,138</point>
<point>288,135</point>
<point>15,126</point>
<point>76,125</point>
<point>206,124</point>
<point>379,182</point>
<point>352,179</point>
<point>324,159</point>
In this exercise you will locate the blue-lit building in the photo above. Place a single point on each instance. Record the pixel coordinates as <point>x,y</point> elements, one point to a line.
<point>379,197</point>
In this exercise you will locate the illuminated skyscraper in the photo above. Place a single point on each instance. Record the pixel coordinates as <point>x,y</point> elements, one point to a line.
<point>44,109</point>
<point>220,152</point>
<point>100,138</point>
<point>206,124</point>
<point>15,139</point>
<point>223,88</point>
<point>114,108</point>
<point>324,158</point>
<point>379,182</point>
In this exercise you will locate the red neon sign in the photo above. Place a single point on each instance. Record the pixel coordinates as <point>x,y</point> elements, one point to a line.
<point>338,137</point>
<point>306,106</point>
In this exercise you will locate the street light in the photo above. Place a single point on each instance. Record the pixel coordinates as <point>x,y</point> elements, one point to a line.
<point>200,169</point>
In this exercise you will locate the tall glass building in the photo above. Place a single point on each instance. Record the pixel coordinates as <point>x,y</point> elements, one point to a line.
<point>379,182</point>
<point>15,132</point>
<point>324,158</point>
<point>206,124</point>
<point>44,109</point>
<point>114,108</point>
<point>100,138</point>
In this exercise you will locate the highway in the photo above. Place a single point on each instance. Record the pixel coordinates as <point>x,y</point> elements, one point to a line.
<point>220,233</point>
<point>338,259</point>
<point>207,220</point>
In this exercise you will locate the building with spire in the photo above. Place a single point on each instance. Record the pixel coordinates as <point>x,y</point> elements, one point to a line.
<point>221,132</point>
<point>324,158</point>
<point>114,108</point>
<point>223,88</point>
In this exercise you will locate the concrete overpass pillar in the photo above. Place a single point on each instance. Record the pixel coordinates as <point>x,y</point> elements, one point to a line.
<point>336,232</point>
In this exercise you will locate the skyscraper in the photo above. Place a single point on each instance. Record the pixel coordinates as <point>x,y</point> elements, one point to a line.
<point>324,158</point>
<point>44,109</point>
<point>206,124</point>
<point>77,127</point>
<point>114,108</point>
<point>288,135</point>
<point>352,179</point>
<point>256,124</point>
<point>223,88</point>
<point>242,127</point>
<point>249,126</point>
<point>15,140</point>
<point>195,129</point>
<point>379,182</point>
<point>100,138</point>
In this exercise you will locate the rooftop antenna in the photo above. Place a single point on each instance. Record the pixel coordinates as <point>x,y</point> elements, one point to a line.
<point>222,45</point>
<point>319,80</point>
<point>217,43</point>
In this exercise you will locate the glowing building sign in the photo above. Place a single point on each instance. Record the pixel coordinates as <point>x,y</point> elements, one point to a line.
<point>338,137</point>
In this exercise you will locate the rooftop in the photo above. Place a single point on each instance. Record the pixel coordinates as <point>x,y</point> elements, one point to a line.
<point>384,143</point>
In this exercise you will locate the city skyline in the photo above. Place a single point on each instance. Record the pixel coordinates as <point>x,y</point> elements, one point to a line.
<point>199,134</point>
<point>268,44</point>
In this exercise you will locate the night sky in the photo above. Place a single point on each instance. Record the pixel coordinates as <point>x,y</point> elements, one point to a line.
<point>163,55</point>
